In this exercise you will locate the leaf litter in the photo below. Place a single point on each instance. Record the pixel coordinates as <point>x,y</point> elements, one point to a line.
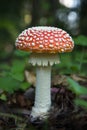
<point>64,113</point>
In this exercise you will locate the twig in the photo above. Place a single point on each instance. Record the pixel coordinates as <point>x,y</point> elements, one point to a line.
<point>11,116</point>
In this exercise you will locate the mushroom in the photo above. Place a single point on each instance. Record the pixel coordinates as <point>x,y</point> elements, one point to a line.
<point>44,43</point>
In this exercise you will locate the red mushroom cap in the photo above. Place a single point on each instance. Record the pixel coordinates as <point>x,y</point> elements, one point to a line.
<point>44,40</point>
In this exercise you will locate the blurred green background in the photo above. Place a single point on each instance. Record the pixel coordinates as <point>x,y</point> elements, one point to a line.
<point>15,16</point>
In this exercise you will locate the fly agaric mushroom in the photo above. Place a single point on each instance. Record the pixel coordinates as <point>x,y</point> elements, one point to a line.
<point>45,43</point>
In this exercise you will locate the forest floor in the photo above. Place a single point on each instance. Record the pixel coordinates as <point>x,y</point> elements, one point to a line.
<point>64,114</point>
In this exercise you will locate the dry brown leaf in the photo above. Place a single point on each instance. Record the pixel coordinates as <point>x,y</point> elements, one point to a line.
<point>59,79</point>
<point>78,78</point>
<point>30,77</point>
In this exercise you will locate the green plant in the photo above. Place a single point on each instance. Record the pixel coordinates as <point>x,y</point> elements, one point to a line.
<point>78,90</point>
<point>81,40</point>
<point>12,74</point>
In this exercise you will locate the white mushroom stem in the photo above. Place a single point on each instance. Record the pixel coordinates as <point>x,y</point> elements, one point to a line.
<point>43,64</point>
<point>42,94</point>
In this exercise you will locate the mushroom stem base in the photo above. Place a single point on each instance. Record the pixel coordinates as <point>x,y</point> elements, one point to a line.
<point>43,94</point>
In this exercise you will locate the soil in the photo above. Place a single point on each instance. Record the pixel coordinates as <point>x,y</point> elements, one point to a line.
<point>64,114</point>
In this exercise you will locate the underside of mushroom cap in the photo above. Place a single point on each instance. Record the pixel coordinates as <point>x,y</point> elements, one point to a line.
<point>44,40</point>
<point>44,59</point>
